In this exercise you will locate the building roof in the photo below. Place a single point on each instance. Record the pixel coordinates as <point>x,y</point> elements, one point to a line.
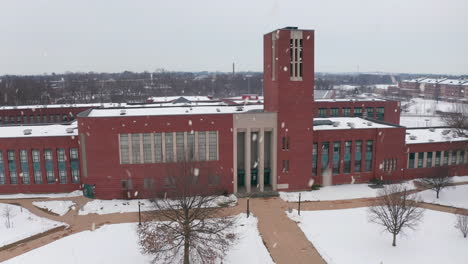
<point>28,131</point>
<point>180,110</point>
<point>323,94</point>
<point>351,100</point>
<point>339,123</point>
<point>431,135</point>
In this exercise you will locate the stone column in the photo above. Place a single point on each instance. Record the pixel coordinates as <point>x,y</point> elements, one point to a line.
<point>248,140</point>
<point>261,158</point>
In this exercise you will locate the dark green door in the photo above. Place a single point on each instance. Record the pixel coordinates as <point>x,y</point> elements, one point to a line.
<point>88,191</point>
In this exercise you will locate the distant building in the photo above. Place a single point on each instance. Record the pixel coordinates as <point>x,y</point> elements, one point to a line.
<point>284,140</point>
<point>447,89</point>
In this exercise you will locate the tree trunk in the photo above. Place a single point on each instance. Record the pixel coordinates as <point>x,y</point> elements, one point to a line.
<point>186,252</point>
<point>394,240</point>
<point>437,192</point>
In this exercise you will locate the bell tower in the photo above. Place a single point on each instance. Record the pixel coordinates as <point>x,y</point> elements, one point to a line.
<point>288,76</point>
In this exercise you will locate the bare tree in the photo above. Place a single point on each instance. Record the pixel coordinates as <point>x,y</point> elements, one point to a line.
<point>395,209</point>
<point>457,119</point>
<point>438,181</point>
<point>462,224</point>
<point>191,226</point>
<point>8,214</point>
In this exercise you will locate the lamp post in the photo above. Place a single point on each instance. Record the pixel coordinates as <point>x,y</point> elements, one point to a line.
<point>139,213</point>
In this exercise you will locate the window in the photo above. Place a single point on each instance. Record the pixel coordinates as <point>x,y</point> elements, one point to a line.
<point>322,112</point>
<point>124,149</point>
<point>295,53</point>
<point>36,158</point>
<point>420,159</point>
<point>429,160</point>
<point>44,119</point>
<point>347,157</point>
<point>213,145</point>
<point>147,156</point>
<point>123,184</point>
<point>74,165</point>
<point>201,145</point>
<point>358,156</point>
<point>158,147</point>
<point>411,160</point>
<point>336,157</point>
<point>454,157</point>
<point>12,167</point>
<point>136,152</point>
<point>180,146</point>
<point>285,143</point>
<point>380,113</point>
<point>50,175</point>
<point>446,157</point>
<point>461,158</point>
<point>51,118</point>
<point>285,165</point>
<point>170,181</point>
<point>191,146</point>
<point>325,163</point>
<point>61,165</point>
<point>24,166</point>
<point>73,153</point>
<point>169,145</point>
<point>437,159</point>
<point>2,169</point>
<point>370,112</point>
<point>369,149</point>
<point>314,159</point>
<point>31,119</point>
<point>334,112</point>
<point>38,119</point>
<point>346,111</point>
<point>358,111</point>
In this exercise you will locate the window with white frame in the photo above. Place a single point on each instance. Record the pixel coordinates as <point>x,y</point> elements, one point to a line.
<point>169,145</point>
<point>201,145</point>
<point>124,149</point>
<point>158,147</point>
<point>147,156</point>
<point>213,145</point>
<point>180,146</point>
<point>136,154</point>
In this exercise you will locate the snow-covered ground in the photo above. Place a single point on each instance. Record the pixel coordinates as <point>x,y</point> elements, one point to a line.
<point>456,196</point>
<point>417,121</point>
<point>118,244</point>
<point>24,224</point>
<point>346,236</point>
<point>337,192</point>
<point>129,206</point>
<point>420,106</point>
<point>56,207</point>
<point>76,193</point>
<point>460,179</point>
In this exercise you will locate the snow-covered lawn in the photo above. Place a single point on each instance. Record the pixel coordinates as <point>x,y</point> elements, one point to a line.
<point>24,224</point>
<point>56,207</point>
<point>429,107</point>
<point>456,196</point>
<point>118,244</point>
<point>460,179</point>
<point>418,121</point>
<point>346,236</point>
<point>76,193</point>
<point>337,192</point>
<point>128,206</point>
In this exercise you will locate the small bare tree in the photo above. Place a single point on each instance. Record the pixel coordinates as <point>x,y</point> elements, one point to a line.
<point>438,181</point>
<point>395,209</point>
<point>462,224</point>
<point>190,226</point>
<point>8,214</point>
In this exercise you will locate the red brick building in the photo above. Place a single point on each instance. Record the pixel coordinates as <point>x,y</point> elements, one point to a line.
<point>287,143</point>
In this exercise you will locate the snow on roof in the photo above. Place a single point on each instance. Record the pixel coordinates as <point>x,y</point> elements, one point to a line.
<point>172,98</point>
<point>55,130</point>
<point>335,123</point>
<point>429,135</point>
<point>350,100</point>
<point>61,106</point>
<point>161,111</point>
<point>452,82</point>
<point>324,94</point>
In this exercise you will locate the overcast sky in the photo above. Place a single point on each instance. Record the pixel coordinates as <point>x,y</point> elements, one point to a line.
<point>39,36</point>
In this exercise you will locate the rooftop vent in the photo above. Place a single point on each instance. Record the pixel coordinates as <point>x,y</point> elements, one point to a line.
<point>123,112</point>
<point>290,28</point>
<point>351,124</point>
<point>336,124</point>
<point>27,131</point>
<point>412,137</point>
<point>369,123</point>
<point>70,130</point>
<point>431,140</point>
<point>240,108</point>
<point>432,129</point>
<point>445,132</point>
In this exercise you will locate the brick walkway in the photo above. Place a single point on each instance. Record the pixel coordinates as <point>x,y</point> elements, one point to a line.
<point>283,238</point>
